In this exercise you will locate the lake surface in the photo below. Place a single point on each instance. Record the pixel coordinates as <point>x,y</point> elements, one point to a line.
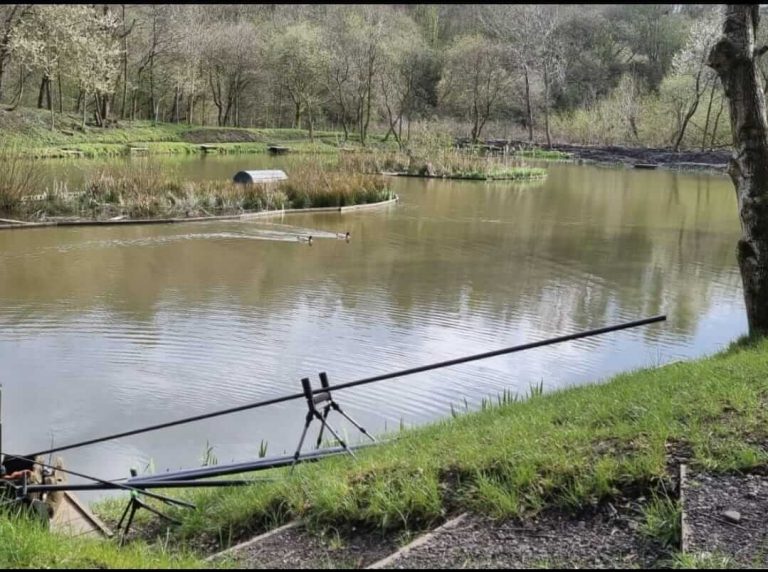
<point>109,329</point>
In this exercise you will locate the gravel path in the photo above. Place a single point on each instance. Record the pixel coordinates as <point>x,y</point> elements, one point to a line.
<point>298,548</point>
<point>603,538</point>
<point>728,516</point>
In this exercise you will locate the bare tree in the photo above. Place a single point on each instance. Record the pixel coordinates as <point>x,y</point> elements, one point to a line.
<point>473,80</point>
<point>300,61</point>
<point>10,16</point>
<point>735,59</point>
<point>689,65</point>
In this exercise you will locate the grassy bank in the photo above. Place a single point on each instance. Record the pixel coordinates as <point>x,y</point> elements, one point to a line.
<point>28,132</point>
<point>25,543</point>
<point>442,163</point>
<point>569,449</point>
<point>146,190</point>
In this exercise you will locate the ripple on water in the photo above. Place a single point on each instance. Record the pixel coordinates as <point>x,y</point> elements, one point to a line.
<point>441,276</point>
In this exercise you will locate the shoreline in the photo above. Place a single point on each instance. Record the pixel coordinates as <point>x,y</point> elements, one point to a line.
<point>638,157</point>
<point>176,220</point>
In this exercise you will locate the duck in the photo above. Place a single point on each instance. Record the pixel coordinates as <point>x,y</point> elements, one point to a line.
<point>307,239</point>
<point>346,236</point>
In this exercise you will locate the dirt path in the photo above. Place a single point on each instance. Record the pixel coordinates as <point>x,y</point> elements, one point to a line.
<point>297,547</point>
<point>727,517</point>
<point>604,538</point>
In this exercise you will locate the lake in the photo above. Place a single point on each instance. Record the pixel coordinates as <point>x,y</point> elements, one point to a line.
<point>104,329</point>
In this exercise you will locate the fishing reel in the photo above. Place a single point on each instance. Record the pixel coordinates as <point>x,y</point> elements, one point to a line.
<point>17,474</point>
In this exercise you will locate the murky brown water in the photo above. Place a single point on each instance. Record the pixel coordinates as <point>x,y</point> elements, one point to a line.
<point>106,329</point>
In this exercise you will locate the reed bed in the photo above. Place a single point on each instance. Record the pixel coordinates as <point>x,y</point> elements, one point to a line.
<point>445,163</point>
<point>145,190</point>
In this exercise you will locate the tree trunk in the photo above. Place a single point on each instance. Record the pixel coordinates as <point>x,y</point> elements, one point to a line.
<point>735,60</point>
<point>2,70</point>
<point>709,114</point>
<point>17,98</point>
<point>297,117</point>
<point>546,104</point>
<point>528,109</point>
<point>41,93</point>
<point>61,94</point>
<point>105,108</point>
<point>125,65</point>
<point>717,123</point>
<point>311,122</point>
<point>684,126</point>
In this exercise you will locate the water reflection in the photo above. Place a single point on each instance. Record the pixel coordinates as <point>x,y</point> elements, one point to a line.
<point>103,329</point>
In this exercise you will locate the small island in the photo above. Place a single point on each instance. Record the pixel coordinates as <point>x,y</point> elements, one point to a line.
<point>150,193</point>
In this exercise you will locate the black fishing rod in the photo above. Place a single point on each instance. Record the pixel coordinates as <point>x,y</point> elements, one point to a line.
<point>141,485</point>
<point>190,478</point>
<point>401,373</point>
<point>244,467</point>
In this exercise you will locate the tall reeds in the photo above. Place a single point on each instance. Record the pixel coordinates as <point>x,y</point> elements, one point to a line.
<point>18,179</point>
<point>150,190</point>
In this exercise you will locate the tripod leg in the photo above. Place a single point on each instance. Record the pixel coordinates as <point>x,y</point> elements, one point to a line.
<point>160,514</point>
<point>326,411</point>
<point>134,506</point>
<point>356,424</point>
<point>307,421</point>
<point>125,512</point>
<point>332,432</point>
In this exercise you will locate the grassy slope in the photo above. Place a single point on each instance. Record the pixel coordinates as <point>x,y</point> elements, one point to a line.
<point>28,131</point>
<point>25,544</point>
<point>569,448</point>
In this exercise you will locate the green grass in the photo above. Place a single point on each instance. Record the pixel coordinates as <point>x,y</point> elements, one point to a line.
<point>28,132</point>
<point>26,543</point>
<point>441,163</point>
<point>662,521</point>
<point>545,154</point>
<point>704,561</point>
<point>567,449</point>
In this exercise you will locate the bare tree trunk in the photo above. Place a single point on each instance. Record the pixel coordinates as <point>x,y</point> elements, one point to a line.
<point>717,123</point>
<point>41,94</point>
<point>689,114</point>
<point>528,109</point>
<point>297,116</point>
<point>17,98</point>
<point>546,104</point>
<point>61,96</point>
<point>125,64</point>
<point>709,114</point>
<point>735,60</point>
<point>311,122</point>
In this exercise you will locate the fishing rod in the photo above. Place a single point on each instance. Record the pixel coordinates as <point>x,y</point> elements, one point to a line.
<point>392,375</point>
<point>108,484</point>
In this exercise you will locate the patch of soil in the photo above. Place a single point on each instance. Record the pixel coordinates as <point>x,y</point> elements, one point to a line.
<point>745,538</point>
<point>219,136</point>
<point>605,537</point>
<point>300,548</point>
